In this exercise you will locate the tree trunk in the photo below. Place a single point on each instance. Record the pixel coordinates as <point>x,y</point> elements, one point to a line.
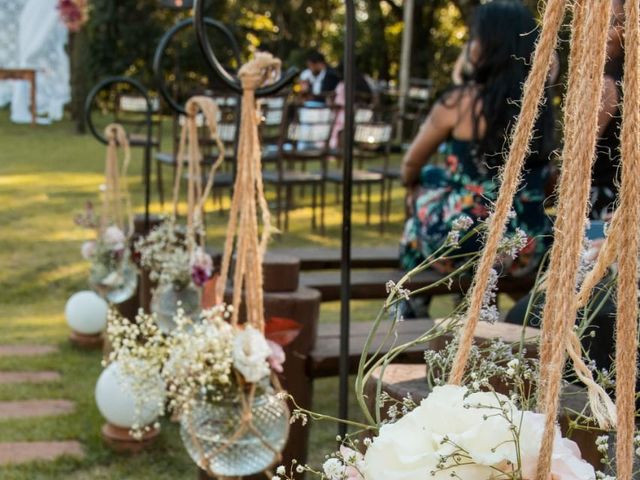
<point>79,63</point>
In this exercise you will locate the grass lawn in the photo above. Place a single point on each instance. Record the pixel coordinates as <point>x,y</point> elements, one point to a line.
<point>46,175</point>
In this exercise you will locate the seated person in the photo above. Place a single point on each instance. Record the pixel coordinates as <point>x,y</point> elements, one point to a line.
<point>475,119</point>
<point>318,79</point>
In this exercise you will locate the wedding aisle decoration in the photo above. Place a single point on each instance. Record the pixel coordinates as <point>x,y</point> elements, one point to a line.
<point>174,254</point>
<point>112,273</point>
<point>491,413</point>
<point>236,424</point>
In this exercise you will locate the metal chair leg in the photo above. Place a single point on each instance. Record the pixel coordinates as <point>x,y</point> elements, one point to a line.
<point>322,206</point>
<point>279,206</point>
<point>314,201</point>
<point>368,204</point>
<point>382,204</point>
<point>287,206</point>
<point>160,183</point>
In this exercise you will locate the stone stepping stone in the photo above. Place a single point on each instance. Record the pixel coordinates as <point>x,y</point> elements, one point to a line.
<point>35,408</point>
<point>22,452</point>
<point>28,377</point>
<point>26,350</point>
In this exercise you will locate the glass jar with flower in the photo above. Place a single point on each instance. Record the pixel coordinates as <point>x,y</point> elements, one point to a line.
<point>112,273</point>
<point>219,383</point>
<point>179,267</point>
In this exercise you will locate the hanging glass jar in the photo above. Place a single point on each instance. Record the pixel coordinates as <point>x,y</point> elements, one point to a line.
<point>168,297</point>
<point>113,275</point>
<point>232,441</point>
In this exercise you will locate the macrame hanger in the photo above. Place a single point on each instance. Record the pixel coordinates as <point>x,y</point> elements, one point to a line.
<point>189,153</point>
<point>115,191</point>
<point>560,309</point>
<point>510,177</point>
<point>248,198</point>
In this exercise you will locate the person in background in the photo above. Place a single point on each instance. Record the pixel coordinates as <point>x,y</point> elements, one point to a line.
<point>318,79</point>
<point>474,119</point>
<point>363,90</point>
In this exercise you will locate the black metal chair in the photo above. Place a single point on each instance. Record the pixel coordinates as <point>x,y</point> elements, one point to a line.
<point>306,131</point>
<point>372,142</point>
<point>228,130</point>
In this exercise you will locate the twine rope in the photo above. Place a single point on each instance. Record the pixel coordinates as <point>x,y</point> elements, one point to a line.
<point>583,97</point>
<point>627,302</point>
<point>248,198</point>
<point>510,177</point>
<point>189,153</point>
<point>116,192</point>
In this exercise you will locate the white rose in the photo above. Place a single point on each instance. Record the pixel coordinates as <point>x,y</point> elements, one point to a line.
<point>479,426</point>
<point>566,460</point>
<point>250,353</point>
<point>114,237</point>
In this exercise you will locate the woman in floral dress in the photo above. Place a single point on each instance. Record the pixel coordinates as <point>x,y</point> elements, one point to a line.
<point>473,121</point>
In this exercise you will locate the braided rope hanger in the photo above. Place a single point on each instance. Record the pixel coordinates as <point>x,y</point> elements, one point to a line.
<point>116,192</point>
<point>589,35</point>
<point>189,152</point>
<point>248,199</point>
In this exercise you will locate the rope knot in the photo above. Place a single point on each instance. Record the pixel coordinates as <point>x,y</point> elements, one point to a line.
<point>263,70</point>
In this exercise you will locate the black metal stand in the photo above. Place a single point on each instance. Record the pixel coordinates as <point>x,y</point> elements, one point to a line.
<point>107,82</point>
<point>164,43</point>
<point>347,175</point>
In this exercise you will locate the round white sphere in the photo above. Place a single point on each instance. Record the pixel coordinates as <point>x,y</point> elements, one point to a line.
<point>86,312</point>
<point>122,400</point>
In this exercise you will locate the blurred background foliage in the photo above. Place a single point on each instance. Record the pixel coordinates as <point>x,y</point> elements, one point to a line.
<point>121,36</point>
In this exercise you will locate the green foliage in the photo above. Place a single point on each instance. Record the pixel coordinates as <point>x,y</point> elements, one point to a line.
<point>122,34</point>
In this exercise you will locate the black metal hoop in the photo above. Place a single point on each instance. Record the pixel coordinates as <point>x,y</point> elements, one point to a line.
<point>88,104</point>
<point>164,43</point>
<point>232,82</point>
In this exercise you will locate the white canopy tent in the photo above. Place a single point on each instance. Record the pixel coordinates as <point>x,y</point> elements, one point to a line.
<point>34,37</point>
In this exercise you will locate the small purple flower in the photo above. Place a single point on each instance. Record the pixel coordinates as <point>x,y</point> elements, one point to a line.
<point>199,275</point>
<point>201,267</point>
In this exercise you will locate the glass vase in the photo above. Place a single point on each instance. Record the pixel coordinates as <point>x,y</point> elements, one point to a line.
<point>207,429</point>
<point>168,297</point>
<point>116,284</point>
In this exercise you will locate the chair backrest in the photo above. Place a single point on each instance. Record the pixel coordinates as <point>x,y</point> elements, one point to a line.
<point>373,134</point>
<point>363,115</point>
<point>273,117</point>
<point>137,104</point>
<point>311,125</point>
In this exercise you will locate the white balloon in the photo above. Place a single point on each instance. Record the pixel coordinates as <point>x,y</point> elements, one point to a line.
<point>118,402</point>
<point>86,312</point>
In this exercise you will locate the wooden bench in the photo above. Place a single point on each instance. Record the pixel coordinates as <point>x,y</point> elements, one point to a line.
<point>318,258</point>
<point>371,284</point>
<point>325,355</point>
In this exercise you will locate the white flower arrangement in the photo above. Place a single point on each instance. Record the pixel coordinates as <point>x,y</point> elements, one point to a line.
<point>166,252</point>
<point>108,253</point>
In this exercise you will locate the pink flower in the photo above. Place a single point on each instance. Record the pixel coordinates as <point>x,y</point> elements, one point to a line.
<point>201,267</point>
<point>277,357</point>
<point>88,249</point>
<point>566,460</point>
<point>354,462</point>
